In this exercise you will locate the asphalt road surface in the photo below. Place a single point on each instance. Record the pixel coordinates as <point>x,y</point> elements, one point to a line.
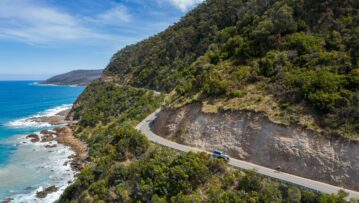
<point>145,128</point>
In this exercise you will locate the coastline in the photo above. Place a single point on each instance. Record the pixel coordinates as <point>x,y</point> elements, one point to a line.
<point>60,137</point>
<point>65,136</point>
<point>58,85</point>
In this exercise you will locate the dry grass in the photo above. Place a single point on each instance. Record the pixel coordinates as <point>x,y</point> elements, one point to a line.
<point>254,98</point>
<point>258,100</point>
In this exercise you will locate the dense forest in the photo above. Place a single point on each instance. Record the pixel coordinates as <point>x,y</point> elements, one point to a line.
<point>126,167</point>
<point>303,52</point>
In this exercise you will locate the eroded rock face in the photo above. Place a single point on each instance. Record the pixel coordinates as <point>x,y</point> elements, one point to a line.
<point>251,136</point>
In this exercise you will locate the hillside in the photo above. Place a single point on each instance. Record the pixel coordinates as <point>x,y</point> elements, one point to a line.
<point>301,54</point>
<point>76,77</point>
<point>290,64</point>
<point>126,167</point>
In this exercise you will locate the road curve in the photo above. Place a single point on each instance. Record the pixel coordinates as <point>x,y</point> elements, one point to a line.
<point>145,128</point>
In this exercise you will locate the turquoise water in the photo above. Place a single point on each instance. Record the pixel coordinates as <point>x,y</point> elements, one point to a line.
<point>18,101</point>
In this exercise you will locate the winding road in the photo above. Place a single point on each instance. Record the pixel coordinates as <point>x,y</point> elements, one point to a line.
<point>145,128</point>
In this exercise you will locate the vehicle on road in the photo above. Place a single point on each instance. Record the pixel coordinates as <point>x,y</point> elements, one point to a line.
<point>220,155</point>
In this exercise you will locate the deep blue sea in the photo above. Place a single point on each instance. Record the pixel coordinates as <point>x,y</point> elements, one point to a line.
<point>18,101</point>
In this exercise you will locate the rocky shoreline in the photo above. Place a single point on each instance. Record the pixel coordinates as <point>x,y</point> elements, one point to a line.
<point>52,138</point>
<point>64,136</point>
<point>55,120</point>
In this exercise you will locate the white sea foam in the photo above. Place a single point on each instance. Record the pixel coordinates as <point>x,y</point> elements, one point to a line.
<point>53,85</point>
<point>29,123</point>
<point>33,162</point>
<point>35,166</point>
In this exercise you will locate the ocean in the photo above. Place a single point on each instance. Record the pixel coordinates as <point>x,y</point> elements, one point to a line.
<point>27,167</point>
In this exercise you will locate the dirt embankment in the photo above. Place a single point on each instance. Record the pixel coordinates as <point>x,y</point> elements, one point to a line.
<point>251,136</point>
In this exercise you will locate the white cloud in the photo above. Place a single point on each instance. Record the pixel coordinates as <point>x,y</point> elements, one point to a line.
<point>184,5</point>
<point>114,15</point>
<point>31,22</point>
<point>40,23</point>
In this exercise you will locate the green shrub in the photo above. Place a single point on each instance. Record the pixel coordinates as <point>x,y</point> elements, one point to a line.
<point>305,44</point>
<point>273,63</point>
<point>238,93</point>
<point>215,88</point>
<point>322,88</point>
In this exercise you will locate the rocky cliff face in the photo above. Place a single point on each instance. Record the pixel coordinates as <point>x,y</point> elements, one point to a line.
<point>251,136</point>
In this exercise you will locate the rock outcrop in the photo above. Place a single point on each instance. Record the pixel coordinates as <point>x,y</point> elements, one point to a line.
<point>45,192</point>
<point>253,137</point>
<point>33,137</point>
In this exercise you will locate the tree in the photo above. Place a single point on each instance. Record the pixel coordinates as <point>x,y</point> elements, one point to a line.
<point>305,44</point>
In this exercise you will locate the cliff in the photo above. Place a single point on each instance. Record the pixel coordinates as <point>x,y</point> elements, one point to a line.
<point>253,137</point>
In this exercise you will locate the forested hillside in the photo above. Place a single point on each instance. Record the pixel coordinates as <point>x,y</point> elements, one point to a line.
<point>296,61</point>
<point>126,167</point>
<point>76,77</point>
<point>156,63</point>
<point>303,53</point>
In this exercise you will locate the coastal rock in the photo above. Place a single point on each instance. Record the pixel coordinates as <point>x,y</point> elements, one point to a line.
<point>59,130</point>
<point>63,113</point>
<point>48,138</point>
<point>33,137</point>
<point>44,193</point>
<point>57,119</point>
<point>77,164</point>
<point>7,200</point>
<point>51,146</point>
<point>46,132</point>
<point>65,136</point>
<point>52,120</point>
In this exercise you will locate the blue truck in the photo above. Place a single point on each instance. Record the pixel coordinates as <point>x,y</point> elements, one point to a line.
<point>220,155</point>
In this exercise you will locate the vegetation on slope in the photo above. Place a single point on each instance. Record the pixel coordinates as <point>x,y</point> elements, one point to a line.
<point>156,63</point>
<point>302,52</point>
<point>126,167</point>
<point>104,104</point>
<point>299,56</point>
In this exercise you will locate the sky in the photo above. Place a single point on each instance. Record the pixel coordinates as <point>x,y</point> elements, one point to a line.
<point>41,38</point>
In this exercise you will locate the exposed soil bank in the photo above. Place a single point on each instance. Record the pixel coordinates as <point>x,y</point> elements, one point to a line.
<point>251,136</point>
